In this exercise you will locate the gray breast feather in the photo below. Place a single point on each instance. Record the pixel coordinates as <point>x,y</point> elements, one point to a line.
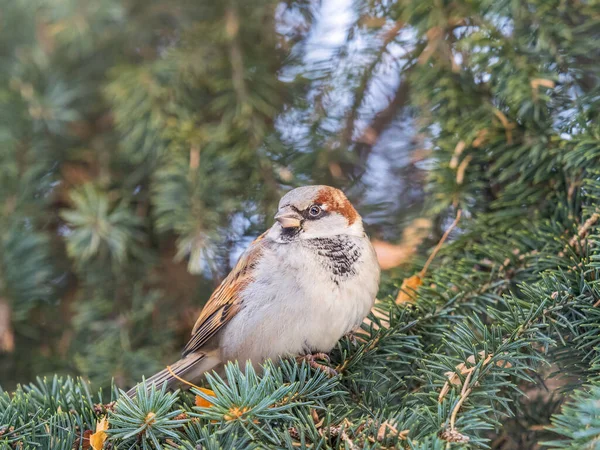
<point>338,254</point>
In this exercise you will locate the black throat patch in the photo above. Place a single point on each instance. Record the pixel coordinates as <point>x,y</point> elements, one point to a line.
<point>338,254</point>
<point>290,234</point>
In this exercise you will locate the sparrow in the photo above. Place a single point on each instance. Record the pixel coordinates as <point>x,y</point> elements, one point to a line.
<point>298,288</point>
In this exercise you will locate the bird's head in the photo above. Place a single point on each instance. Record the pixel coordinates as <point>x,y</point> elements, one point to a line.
<point>315,212</point>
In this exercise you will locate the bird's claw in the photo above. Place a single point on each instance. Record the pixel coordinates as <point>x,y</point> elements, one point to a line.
<point>312,358</point>
<point>351,335</point>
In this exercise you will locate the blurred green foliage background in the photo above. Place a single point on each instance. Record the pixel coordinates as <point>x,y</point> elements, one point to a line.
<point>143,144</point>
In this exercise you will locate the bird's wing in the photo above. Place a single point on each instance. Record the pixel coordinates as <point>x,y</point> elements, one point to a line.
<point>225,302</point>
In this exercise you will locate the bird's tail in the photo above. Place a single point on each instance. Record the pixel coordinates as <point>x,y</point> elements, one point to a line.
<point>177,374</point>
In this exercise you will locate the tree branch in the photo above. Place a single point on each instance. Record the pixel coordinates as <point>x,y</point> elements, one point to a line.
<point>370,136</point>
<point>390,35</point>
<point>7,340</point>
<point>232,26</point>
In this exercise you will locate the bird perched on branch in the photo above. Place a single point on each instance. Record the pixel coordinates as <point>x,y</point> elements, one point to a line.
<point>303,284</point>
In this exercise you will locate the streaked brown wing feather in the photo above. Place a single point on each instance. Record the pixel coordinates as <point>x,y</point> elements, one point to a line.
<point>224,303</point>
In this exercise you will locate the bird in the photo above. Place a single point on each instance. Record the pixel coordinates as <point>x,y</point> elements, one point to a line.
<point>296,290</point>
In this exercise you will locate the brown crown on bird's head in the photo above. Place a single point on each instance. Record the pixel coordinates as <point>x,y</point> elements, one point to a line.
<point>333,199</point>
<point>317,211</point>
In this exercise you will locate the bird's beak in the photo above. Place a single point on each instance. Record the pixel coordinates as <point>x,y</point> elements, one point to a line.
<point>288,218</point>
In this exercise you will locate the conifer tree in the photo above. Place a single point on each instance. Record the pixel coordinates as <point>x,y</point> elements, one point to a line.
<point>143,144</point>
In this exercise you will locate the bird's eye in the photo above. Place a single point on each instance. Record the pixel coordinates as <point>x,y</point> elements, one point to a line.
<point>314,210</point>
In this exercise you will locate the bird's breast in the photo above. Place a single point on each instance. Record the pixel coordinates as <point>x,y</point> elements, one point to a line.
<point>304,297</point>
